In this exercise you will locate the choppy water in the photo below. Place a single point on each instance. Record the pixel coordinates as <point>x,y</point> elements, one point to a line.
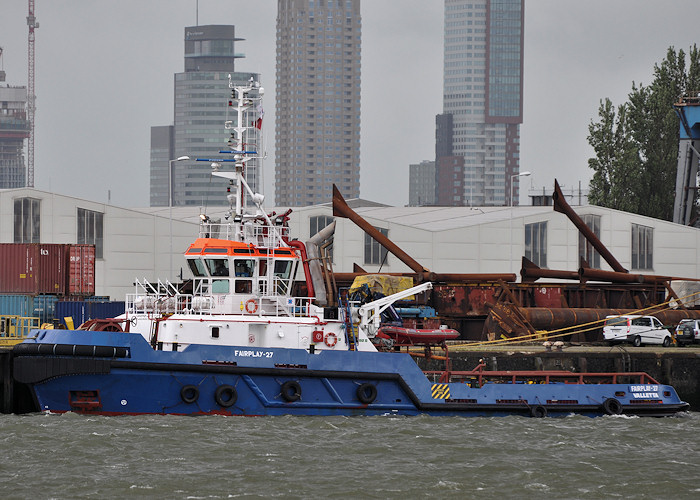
<point>73,456</point>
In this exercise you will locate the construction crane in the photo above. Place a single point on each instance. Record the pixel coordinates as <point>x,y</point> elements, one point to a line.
<point>688,110</point>
<point>31,96</point>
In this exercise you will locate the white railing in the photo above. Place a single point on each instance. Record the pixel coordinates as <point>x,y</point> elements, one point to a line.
<point>156,299</point>
<point>261,235</point>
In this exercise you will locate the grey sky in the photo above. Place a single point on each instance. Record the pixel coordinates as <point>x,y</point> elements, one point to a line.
<point>104,76</point>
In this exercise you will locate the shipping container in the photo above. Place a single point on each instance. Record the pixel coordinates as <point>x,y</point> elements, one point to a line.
<point>39,268</point>
<point>16,305</point>
<point>44,307</point>
<point>81,277</point>
<point>83,310</point>
<point>76,309</point>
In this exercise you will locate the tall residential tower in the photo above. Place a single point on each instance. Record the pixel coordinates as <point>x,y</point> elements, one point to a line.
<point>478,134</point>
<point>201,95</point>
<point>317,138</point>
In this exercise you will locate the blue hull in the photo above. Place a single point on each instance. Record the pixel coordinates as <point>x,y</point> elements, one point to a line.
<point>115,373</point>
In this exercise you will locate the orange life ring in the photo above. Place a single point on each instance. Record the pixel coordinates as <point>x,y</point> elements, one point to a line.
<point>251,306</point>
<point>331,339</point>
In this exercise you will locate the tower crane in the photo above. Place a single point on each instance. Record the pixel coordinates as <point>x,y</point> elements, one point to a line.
<point>31,96</point>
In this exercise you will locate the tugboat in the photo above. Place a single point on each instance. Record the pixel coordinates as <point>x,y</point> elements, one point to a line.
<point>243,341</point>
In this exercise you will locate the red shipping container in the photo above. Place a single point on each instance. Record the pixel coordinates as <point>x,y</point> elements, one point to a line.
<point>51,276</point>
<point>33,268</point>
<point>81,275</point>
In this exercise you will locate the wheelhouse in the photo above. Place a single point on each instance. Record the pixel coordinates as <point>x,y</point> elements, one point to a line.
<point>237,268</point>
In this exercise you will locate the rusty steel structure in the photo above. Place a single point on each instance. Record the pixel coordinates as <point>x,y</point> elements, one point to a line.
<point>561,206</point>
<point>341,209</point>
<point>493,306</point>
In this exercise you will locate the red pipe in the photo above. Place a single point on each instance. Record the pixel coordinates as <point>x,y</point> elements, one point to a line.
<point>307,272</point>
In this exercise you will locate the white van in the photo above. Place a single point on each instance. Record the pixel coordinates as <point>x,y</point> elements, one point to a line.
<point>637,330</point>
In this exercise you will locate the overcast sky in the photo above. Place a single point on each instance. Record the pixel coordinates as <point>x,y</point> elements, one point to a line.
<point>104,76</point>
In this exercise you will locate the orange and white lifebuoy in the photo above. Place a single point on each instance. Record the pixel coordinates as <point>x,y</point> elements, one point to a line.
<point>251,306</point>
<point>331,339</point>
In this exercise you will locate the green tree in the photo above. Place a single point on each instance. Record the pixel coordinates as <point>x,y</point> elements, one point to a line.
<point>636,146</point>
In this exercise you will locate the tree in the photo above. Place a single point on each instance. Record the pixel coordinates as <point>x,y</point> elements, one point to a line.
<point>636,146</point>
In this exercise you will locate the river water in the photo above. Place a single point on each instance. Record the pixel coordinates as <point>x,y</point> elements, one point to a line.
<point>77,456</point>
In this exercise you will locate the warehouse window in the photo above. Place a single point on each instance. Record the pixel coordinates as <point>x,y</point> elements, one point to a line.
<point>316,224</point>
<point>536,243</point>
<point>642,247</point>
<point>585,249</point>
<point>27,220</point>
<point>90,230</point>
<point>374,252</point>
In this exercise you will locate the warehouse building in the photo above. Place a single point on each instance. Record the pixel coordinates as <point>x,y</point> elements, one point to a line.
<point>148,243</point>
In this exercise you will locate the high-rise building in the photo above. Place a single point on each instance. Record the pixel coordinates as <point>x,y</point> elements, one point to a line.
<point>317,138</point>
<point>14,129</point>
<point>478,132</point>
<point>201,95</point>
<point>421,184</point>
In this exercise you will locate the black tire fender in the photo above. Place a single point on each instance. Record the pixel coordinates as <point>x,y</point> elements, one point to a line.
<point>291,391</point>
<point>366,393</point>
<point>612,406</point>
<point>225,395</point>
<point>538,411</point>
<point>189,393</point>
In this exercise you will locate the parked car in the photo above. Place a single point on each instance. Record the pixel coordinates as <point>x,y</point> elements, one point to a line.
<point>637,330</point>
<point>688,331</point>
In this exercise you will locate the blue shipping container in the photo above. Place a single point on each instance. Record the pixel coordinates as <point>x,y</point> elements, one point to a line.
<point>76,309</point>
<point>81,310</point>
<point>44,307</point>
<point>16,305</point>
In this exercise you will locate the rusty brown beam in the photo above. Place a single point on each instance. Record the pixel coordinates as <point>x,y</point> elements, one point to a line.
<point>587,273</point>
<point>437,277</point>
<point>543,318</point>
<point>341,209</point>
<point>561,206</point>
<point>530,272</point>
<point>468,278</point>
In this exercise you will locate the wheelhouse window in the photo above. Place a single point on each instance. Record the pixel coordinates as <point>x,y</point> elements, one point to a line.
<point>217,267</point>
<point>90,230</point>
<point>27,220</point>
<point>282,272</point>
<point>197,267</point>
<point>642,246</point>
<point>536,243</point>
<point>374,252</point>
<point>585,249</point>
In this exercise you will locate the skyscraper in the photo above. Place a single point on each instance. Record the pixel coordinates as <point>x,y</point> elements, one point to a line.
<point>201,95</point>
<point>317,138</point>
<point>478,133</point>
<point>14,129</point>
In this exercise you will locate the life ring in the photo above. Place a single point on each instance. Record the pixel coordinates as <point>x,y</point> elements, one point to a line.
<point>189,393</point>
<point>612,406</point>
<point>251,306</point>
<point>331,339</point>
<point>291,391</point>
<point>538,411</point>
<point>367,393</point>
<point>225,395</point>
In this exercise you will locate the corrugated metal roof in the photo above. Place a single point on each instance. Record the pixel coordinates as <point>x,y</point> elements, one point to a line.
<point>433,219</point>
<point>446,218</point>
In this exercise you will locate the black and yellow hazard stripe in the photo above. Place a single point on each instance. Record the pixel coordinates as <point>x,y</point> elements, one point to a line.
<point>441,391</point>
